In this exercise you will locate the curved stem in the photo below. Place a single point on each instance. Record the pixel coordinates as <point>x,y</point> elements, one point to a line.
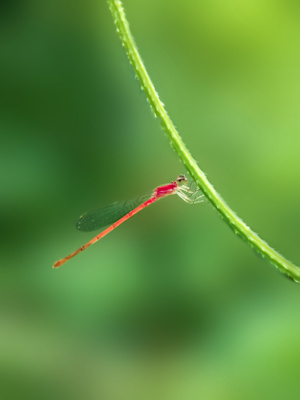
<point>238,226</point>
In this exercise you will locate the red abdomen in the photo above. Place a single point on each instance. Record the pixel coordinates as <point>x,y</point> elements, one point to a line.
<point>165,190</point>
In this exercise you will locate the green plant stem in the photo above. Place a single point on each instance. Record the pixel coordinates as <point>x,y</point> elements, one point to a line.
<point>238,226</point>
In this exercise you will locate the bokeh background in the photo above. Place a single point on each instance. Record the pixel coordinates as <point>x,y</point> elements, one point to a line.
<point>171,305</point>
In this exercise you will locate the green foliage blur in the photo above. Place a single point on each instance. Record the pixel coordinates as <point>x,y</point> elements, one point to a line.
<point>171,305</point>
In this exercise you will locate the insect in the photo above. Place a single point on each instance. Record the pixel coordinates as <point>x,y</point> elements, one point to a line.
<point>117,213</point>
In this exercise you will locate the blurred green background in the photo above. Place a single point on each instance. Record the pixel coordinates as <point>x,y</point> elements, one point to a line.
<point>171,305</point>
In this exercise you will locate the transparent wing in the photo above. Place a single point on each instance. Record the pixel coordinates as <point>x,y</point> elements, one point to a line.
<point>101,217</point>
